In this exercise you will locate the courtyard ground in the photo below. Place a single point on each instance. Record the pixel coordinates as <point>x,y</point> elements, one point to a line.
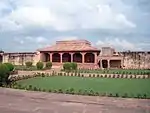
<point>131,87</point>
<point>17,101</point>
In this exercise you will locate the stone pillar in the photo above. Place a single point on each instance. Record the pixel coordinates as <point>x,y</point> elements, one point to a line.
<point>71,56</point>
<point>101,64</point>
<point>108,63</point>
<point>50,54</point>
<point>83,60</point>
<point>95,57</point>
<point>61,57</point>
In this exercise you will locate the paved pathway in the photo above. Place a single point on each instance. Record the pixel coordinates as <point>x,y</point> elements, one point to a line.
<point>16,101</point>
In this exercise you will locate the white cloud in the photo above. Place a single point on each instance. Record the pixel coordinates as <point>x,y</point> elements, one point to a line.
<point>120,44</point>
<point>67,38</point>
<point>18,40</point>
<point>65,15</point>
<point>39,40</point>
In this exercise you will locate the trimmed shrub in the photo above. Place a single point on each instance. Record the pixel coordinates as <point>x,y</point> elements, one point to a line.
<point>60,91</point>
<point>48,65</point>
<point>35,89</point>
<point>144,96</point>
<point>74,66</point>
<point>125,95</point>
<point>30,87</point>
<point>10,66</point>
<point>117,95</point>
<point>67,66</point>
<point>39,65</point>
<point>49,90</point>
<point>28,64</point>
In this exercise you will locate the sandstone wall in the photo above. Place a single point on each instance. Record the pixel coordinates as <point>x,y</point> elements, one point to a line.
<point>136,60</point>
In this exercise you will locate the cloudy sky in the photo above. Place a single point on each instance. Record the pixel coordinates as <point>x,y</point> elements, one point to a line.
<point>26,25</point>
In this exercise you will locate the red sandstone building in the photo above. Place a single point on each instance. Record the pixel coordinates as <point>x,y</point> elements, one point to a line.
<point>82,52</point>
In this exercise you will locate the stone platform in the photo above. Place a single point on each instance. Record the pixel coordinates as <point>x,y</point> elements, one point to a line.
<point>16,101</point>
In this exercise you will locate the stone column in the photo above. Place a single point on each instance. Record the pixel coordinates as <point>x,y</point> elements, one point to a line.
<point>101,64</point>
<point>95,57</point>
<point>108,63</point>
<point>50,54</point>
<point>61,57</point>
<point>83,54</point>
<point>71,56</point>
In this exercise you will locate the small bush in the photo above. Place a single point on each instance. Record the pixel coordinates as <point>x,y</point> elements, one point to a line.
<point>30,87</point>
<point>28,64</point>
<point>117,95</point>
<point>49,90</point>
<point>60,91</point>
<point>48,65</point>
<point>74,66</point>
<point>67,66</point>
<point>44,90</point>
<point>35,89</point>
<point>9,66</point>
<point>144,96</point>
<point>125,95</point>
<point>39,65</point>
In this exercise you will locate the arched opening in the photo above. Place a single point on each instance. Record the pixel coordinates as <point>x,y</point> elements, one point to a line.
<point>1,58</point>
<point>56,57</point>
<point>89,58</point>
<point>77,57</point>
<point>66,57</point>
<point>99,64</point>
<point>47,57</point>
<point>105,63</point>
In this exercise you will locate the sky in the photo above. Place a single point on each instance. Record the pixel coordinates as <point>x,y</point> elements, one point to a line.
<point>26,25</point>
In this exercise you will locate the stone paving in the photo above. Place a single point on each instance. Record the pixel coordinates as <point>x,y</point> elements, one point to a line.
<point>17,101</point>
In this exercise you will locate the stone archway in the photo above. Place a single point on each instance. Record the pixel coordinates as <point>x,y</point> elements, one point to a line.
<point>66,57</point>
<point>77,57</point>
<point>105,63</point>
<point>1,58</point>
<point>56,57</point>
<point>89,58</point>
<point>46,57</point>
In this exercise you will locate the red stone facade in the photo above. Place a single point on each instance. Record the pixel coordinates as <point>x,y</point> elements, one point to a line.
<point>80,51</point>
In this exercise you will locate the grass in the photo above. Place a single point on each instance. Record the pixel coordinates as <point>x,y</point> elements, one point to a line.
<point>118,71</point>
<point>102,85</point>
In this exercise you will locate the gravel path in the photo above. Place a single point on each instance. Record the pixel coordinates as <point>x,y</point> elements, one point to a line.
<point>17,101</point>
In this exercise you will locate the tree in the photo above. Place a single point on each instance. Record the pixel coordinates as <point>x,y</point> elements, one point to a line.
<point>4,74</point>
<point>10,66</point>
<point>40,65</point>
<point>29,64</point>
<point>48,65</point>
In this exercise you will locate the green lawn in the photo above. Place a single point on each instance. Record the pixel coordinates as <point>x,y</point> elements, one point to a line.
<point>103,85</point>
<point>118,71</point>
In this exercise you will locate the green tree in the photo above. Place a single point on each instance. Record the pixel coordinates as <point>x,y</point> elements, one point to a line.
<point>48,65</point>
<point>29,64</point>
<point>40,65</point>
<point>9,66</point>
<point>4,74</point>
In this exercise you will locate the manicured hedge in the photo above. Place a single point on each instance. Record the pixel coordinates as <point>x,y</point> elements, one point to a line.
<point>40,65</point>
